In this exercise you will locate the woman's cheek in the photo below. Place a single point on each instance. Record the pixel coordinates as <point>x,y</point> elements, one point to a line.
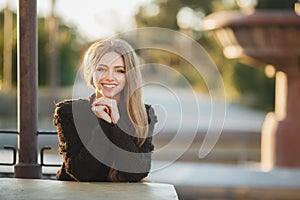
<point>96,80</point>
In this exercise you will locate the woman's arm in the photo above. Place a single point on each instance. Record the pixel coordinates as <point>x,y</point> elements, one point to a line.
<point>132,162</point>
<point>79,164</point>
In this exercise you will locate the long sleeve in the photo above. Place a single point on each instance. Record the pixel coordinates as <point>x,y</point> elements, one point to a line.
<point>132,162</point>
<point>78,163</point>
<point>91,146</point>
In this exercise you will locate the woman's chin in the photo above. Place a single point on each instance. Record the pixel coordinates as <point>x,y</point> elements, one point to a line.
<point>109,95</point>
<point>101,93</point>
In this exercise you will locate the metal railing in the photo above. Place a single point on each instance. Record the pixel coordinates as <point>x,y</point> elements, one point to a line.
<point>15,149</point>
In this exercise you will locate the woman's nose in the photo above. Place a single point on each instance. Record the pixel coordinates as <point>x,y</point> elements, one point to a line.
<point>109,74</point>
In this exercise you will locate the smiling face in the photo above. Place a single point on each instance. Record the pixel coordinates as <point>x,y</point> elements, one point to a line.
<point>109,76</point>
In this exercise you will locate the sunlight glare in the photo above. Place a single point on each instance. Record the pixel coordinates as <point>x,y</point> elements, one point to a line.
<point>94,18</point>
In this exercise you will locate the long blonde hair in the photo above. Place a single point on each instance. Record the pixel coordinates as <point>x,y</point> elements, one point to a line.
<point>132,92</point>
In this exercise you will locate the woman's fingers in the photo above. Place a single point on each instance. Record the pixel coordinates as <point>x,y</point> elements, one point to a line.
<point>111,108</point>
<point>105,101</point>
<point>101,112</point>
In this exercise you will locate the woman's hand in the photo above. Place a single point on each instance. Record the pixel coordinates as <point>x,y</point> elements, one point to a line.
<point>106,109</point>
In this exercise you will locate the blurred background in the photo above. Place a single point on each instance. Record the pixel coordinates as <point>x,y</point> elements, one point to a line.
<point>65,30</point>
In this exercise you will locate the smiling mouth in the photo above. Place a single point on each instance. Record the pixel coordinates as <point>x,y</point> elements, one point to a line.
<point>109,85</point>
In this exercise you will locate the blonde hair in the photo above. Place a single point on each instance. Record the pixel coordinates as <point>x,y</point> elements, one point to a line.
<point>131,96</point>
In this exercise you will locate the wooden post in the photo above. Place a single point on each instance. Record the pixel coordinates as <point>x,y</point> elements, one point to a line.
<point>27,91</point>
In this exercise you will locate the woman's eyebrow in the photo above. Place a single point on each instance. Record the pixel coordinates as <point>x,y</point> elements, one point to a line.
<point>117,66</point>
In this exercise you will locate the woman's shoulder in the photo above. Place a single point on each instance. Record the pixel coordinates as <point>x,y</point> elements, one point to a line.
<point>149,108</point>
<point>151,113</point>
<point>66,106</point>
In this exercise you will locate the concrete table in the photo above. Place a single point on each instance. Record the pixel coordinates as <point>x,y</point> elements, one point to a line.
<point>16,189</point>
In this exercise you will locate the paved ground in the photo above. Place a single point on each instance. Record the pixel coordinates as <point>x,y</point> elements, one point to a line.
<point>219,181</point>
<point>182,173</point>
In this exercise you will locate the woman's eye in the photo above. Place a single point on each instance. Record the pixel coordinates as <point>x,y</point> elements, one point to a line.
<point>120,71</point>
<point>101,69</point>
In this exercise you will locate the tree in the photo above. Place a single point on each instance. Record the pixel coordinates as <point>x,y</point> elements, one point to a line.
<point>69,48</point>
<point>276,4</point>
<point>238,78</point>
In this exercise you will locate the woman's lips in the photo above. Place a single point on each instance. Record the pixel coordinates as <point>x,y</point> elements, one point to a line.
<point>108,85</point>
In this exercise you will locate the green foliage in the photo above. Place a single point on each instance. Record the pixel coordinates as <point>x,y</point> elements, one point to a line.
<point>1,43</point>
<point>69,55</point>
<point>249,85</point>
<point>43,36</point>
<point>276,4</point>
<point>165,18</point>
<point>255,88</point>
<point>69,49</point>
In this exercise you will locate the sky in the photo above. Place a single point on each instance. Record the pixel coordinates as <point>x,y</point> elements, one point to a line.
<point>94,18</point>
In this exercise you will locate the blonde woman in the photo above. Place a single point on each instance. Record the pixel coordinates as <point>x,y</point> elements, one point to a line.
<point>108,135</point>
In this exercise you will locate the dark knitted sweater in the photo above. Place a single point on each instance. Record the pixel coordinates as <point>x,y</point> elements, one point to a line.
<point>91,146</point>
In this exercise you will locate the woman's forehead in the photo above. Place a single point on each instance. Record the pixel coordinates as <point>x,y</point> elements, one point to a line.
<point>112,59</point>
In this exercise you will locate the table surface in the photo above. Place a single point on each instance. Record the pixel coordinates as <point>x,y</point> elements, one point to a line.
<point>16,189</point>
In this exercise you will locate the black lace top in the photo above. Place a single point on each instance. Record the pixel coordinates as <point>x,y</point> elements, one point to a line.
<point>90,146</point>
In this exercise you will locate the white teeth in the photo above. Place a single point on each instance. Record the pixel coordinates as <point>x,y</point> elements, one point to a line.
<point>109,86</point>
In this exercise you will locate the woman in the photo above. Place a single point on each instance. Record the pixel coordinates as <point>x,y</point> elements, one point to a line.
<point>107,136</point>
